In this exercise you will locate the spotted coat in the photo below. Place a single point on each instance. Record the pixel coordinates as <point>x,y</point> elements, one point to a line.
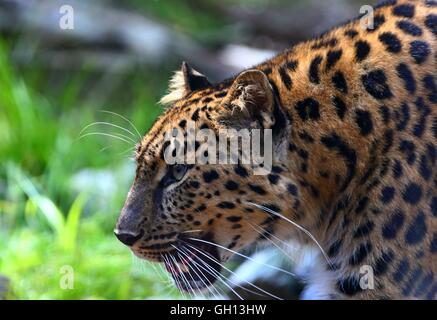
<point>354,118</point>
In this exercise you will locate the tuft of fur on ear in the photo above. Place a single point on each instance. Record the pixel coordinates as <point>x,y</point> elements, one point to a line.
<point>176,89</point>
<point>182,83</point>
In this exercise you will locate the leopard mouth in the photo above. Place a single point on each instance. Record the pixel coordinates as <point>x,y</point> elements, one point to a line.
<point>193,266</point>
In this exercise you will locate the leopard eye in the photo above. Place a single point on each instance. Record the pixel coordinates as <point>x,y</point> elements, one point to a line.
<point>178,171</point>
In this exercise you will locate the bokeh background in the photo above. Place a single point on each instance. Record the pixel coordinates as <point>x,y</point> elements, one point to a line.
<point>71,105</point>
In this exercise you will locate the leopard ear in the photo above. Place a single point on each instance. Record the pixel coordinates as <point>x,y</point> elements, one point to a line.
<point>193,79</point>
<point>249,100</point>
<point>183,82</point>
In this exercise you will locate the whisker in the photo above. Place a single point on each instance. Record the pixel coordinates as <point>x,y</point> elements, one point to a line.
<point>227,279</point>
<point>160,276</point>
<point>107,124</point>
<point>216,274</point>
<point>262,233</point>
<point>283,242</point>
<point>168,285</point>
<point>144,265</point>
<point>191,292</point>
<point>194,281</point>
<point>223,277</point>
<point>218,262</point>
<point>124,118</point>
<point>192,231</point>
<point>107,135</point>
<point>219,277</point>
<point>222,280</point>
<point>164,276</point>
<point>243,256</point>
<point>209,282</point>
<point>268,210</point>
<point>176,282</point>
<point>163,258</point>
<point>130,150</point>
<point>181,279</point>
<point>104,148</point>
<point>196,290</point>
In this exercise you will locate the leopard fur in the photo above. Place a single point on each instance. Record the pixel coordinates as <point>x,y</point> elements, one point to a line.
<point>354,121</point>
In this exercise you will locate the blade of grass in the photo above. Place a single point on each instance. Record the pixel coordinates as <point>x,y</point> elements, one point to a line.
<point>46,206</point>
<point>69,235</point>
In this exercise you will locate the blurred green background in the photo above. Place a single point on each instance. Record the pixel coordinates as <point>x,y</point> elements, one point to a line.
<point>71,103</point>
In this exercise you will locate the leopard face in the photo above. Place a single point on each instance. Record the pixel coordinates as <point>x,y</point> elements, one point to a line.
<point>193,217</point>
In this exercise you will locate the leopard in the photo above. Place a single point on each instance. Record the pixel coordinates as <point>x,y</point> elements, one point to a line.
<point>353,117</point>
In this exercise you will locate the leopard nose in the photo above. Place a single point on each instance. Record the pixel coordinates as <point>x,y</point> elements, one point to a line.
<point>128,238</point>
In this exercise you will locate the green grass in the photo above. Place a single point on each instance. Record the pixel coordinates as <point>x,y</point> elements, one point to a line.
<point>193,18</point>
<point>60,195</point>
<point>34,257</point>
